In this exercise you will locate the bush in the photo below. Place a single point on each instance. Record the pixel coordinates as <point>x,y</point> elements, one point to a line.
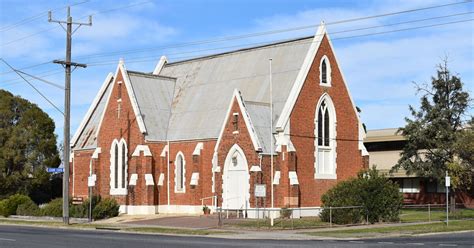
<point>8,206</point>
<point>105,209</point>
<point>78,210</point>
<point>285,212</point>
<point>54,208</point>
<point>28,209</point>
<point>378,196</point>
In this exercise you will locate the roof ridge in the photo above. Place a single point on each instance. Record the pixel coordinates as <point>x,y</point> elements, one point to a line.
<point>146,74</point>
<point>280,42</point>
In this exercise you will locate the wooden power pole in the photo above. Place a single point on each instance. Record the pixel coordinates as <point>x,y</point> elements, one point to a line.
<point>67,102</point>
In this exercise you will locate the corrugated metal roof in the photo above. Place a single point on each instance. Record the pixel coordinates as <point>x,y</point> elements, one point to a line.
<point>154,95</point>
<point>87,138</point>
<point>260,116</point>
<point>205,85</point>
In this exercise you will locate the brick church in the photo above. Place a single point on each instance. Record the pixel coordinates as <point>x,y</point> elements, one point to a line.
<point>208,130</point>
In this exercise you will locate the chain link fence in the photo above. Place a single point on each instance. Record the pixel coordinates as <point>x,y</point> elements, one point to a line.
<point>300,218</point>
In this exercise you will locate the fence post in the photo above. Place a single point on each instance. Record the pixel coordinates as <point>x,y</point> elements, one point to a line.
<point>367,218</point>
<point>292,224</point>
<point>330,216</point>
<point>429,213</point>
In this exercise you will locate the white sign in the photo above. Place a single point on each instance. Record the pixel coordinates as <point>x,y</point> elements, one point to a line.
<point>91,180</point>
<point>260,190</point>
<point>448,181</point>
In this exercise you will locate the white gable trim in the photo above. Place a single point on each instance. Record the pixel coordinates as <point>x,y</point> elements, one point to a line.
<point>248,122</point>
<point>93,106</point>
<point>131,95</point>
<point>163,61</point>
<point>302,75</point>
<point>198,148</point>
<point>142,148</point>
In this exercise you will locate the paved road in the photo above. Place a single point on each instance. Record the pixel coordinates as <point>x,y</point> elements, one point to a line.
<point>20,237</point>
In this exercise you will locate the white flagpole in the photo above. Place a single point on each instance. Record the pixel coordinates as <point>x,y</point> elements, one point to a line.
<point>271,140</point>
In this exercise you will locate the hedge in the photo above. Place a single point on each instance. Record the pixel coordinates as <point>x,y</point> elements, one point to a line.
<point>379,198</point>
<point>9,206</point>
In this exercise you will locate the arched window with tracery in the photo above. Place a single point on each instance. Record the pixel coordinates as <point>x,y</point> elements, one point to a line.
<point>325,142</point>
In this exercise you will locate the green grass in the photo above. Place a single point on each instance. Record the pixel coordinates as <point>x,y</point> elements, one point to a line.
<point>422,215</point>
<point>56,224</point>
<point>303,223</point>
<point>457,225</point>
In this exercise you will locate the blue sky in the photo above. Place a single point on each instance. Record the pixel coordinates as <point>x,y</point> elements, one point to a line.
<point>379,69</point>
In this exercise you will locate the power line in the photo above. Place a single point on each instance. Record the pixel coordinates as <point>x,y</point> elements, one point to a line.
<point>264,43</point>
<point>32,18</point>
<point>227,38</point>
<point>32,86</point>
<point>49,29</point>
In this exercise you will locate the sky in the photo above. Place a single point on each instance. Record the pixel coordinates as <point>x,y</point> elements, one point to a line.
<point>380,57</point>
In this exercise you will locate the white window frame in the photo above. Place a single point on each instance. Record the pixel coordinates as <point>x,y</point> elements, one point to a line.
<point>176,190</point>
<point>328,72</point>
<point>318,167</point>
<point>121,188</point>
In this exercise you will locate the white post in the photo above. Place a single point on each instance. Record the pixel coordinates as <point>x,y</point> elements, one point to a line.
<point>271,141</point>
<point>448,183</point>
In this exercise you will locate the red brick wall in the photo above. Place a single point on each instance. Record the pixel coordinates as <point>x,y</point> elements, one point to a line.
<point>243,139</point>
<point>79,173</point>
<point>349,160</point>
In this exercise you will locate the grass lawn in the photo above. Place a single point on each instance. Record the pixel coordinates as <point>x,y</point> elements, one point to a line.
<point>421,215</point>
<point>303,223</point>
<point>455,225</point>
<point>56,224</point>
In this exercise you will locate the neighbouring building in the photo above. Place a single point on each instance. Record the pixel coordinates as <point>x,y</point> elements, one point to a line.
<point>385,146</point>
<point>202,131</point>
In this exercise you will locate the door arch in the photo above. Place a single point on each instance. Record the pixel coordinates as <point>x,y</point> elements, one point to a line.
<point>236,180</point>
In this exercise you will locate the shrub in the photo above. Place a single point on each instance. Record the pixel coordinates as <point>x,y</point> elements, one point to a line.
<point>28,209</point>
<point>106,208</point>
<point>54,208</point>
<point>285,212</point>
<point>8,206</point>
<point>379,197</point>
<point>78,210</point>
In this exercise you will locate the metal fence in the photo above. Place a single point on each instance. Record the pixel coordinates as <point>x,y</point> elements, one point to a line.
<point>292,218</point>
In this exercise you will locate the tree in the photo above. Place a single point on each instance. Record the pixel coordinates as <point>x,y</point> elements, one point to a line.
<point>27,148</point>
<point>434,134</point>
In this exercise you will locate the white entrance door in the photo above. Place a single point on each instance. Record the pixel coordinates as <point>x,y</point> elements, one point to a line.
<point>236,180</point>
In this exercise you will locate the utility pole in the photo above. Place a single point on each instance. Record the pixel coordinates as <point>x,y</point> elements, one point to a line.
<point>67,102</point>
<point>271,142</point>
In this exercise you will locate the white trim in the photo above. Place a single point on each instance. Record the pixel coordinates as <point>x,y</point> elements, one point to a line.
<point>121,189</point>
<point>164,151</point>
<point>176,173</point>
<point>161,179</point>
<point>328,72</point>
<point>198,148</point>
<point>332,139</point>
<point>194,179</point>
<point>255,168</point>
<point>131,95</point>
<point>149,180</point>
<point>293,178</point>
<point>276,178</point>
<point>93,106</point>
<point>161,63</point>
<point>180,209</point>
<point>142,148</point>
<point>118,191</point>
<point>301,77</point>
<point>133,179</point>
<point>140,209</point>
<point>96,153</point>
<point>248,123</point>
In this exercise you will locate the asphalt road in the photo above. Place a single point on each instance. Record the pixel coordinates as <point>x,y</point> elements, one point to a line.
<point>20,236</point>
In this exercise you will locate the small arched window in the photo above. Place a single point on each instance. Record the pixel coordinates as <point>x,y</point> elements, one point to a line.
<point>180,173</point>
<point>325,71</point>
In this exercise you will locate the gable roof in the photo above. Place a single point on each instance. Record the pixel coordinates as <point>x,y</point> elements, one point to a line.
<point>188,100</point>
<point>85,136</point>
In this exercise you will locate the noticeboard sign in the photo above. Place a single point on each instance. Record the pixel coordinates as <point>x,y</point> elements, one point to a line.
<point>260,190</point>
<point>448,181</point>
